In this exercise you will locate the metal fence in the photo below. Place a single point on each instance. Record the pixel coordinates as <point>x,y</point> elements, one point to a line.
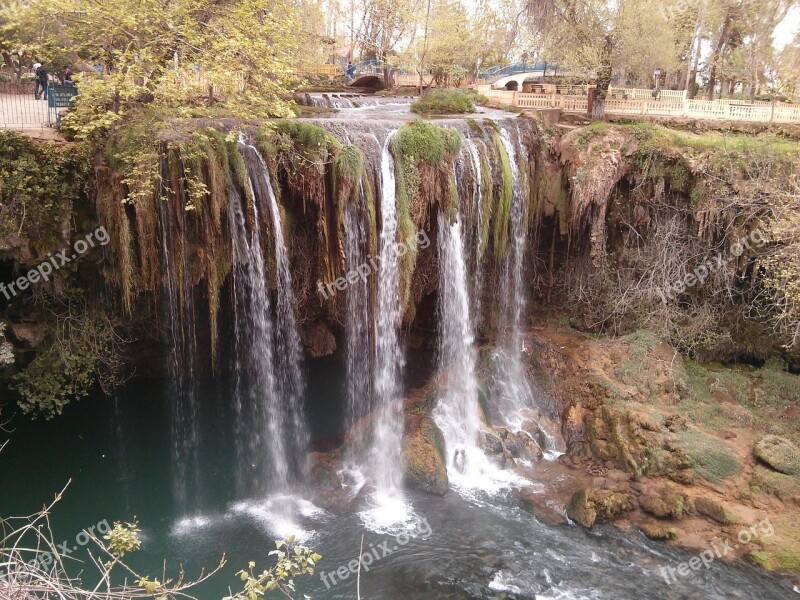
<point>19,109</point>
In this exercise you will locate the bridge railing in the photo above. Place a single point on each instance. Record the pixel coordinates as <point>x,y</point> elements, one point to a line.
<point>692,109</point>
<point>328,70</point>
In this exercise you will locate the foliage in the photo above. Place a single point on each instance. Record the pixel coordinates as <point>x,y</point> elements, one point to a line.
<point>292,560</point>
<point>82,349</point>
<point>691,199</point>
<point>444,101</point>
<point>40,183</point>
<point>123,537</point>
<point>189,57</point>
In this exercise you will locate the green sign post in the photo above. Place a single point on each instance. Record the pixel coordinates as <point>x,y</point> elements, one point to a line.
<point>59,96</point>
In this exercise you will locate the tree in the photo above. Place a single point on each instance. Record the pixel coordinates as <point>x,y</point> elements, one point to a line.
<point>592,37</point>
<point>179,54</point>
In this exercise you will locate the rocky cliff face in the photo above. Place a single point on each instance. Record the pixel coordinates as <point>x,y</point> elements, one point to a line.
<point>620,219</point>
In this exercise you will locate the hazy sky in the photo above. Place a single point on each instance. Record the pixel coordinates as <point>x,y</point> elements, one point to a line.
<point>784,33</point>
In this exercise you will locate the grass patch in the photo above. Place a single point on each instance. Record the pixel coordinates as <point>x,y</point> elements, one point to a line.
<point>711,458</point>
<point>640,343</point>
<point>447,101</point>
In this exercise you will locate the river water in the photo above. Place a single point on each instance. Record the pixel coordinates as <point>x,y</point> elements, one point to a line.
<point>471,546</point>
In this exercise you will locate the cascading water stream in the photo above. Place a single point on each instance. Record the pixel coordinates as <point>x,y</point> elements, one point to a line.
<point>358,386</point>
<point>291,383</point>
<point>513,394</point>
<point>457,410</point>
<point>182,384</point>
<point>477,211</point>
<point>259,423</point>
<point>384,454</point>
<point>271,431</point>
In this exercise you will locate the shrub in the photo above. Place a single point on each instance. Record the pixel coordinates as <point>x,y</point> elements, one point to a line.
<point>444,101</point>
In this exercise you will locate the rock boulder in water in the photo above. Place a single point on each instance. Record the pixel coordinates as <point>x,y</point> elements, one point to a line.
<point>424,466</point>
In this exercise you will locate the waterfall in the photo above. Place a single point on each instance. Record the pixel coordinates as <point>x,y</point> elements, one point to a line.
<point>259,420</point>
<point>358,388</point>
<point>514,298</point>
<point>477,213</point>
<point>457,410</point>
<point>270,427</point>
<point>511,390</point>
<point>291,383</point>
<point>384,455</point>
<point>182,385</point>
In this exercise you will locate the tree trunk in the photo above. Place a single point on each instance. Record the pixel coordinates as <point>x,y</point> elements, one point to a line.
<point>723,35</point>
<point>691,65</point>
<point>603,80</point>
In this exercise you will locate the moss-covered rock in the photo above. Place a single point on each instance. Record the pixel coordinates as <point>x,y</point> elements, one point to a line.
<point>716,511</point>
<point>424,466</point>
<point>664,506</point>
<point>658,532</point>
<point>589,506</point>
<point>779,453</point>
<point>581,509</point>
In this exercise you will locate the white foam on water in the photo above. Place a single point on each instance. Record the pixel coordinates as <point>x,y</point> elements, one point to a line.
<point>281,515</point>
<point>388,514</point>
<point>193,524</point>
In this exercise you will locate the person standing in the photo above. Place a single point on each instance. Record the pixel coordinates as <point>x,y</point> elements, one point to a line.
<point>41,81</point>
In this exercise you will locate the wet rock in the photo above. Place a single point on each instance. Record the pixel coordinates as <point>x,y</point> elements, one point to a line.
<point>318,340</point>
<point>716,511</point>
<point>521,445</point>
<point>664,506</point>
<point>779,453</point>
<point>611,504</point>
<point>658,532</point>
<point>424,466</point>
<point>589,506</point>
<point>491,443</point>
<point>581,509</point>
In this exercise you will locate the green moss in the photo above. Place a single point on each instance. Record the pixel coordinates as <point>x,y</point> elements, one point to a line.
<point>475,127</point>
<point>503,211</point>
<point>711,458</point>
<point>487,205</point>
<point>421,141</point>
<point>349,165</point>
<point>640,343</point>
<point>420,149</point>
<point>446,101</point>
<point>715,510</point>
